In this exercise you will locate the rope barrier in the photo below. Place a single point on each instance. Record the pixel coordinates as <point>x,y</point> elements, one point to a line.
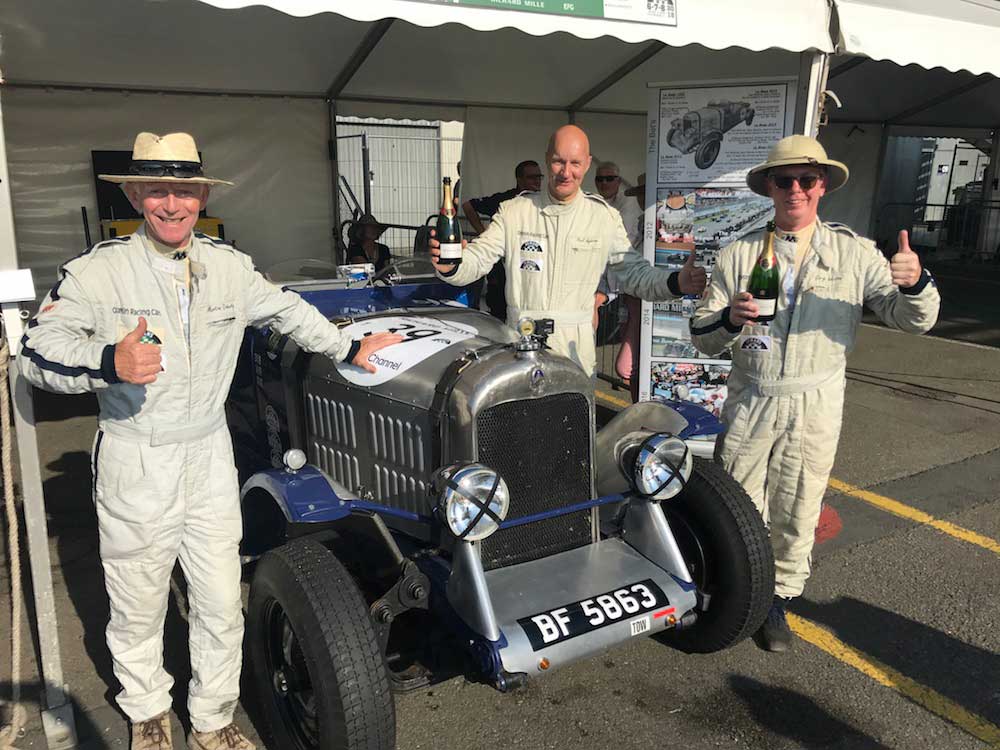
<point>12,730</point>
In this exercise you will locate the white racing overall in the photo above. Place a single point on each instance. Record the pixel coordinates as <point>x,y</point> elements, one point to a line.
<point>786,390</point>
<point>555,254</point>
<point>165,485</point>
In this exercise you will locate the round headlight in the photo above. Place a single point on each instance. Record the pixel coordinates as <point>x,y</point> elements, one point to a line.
<point>662,466</point>
<point>474,500</point>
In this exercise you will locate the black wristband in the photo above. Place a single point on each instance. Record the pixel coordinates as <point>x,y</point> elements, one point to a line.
<point>452,272</point>
<point>923,281</point>
<point>108,365</point>
<point>353,351</point>
<point>674,284</point>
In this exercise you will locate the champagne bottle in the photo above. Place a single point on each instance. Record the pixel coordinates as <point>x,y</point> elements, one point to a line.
<point>448,231</point>
<point>765,280</point>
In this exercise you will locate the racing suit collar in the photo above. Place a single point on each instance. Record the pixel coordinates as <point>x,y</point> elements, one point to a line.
<point>552,207</point>
<point>162,263</point>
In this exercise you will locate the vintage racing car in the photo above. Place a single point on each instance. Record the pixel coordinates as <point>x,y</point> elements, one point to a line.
<point>701,130</point>
<point>461,495</point>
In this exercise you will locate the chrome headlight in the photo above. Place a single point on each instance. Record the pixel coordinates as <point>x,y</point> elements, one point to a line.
<point>474,500</point>
<point>662,466</point>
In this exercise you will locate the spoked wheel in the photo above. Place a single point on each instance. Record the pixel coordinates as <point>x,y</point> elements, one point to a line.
<point>318,671</point>
<point>725,544</point>
<point>293,691</point>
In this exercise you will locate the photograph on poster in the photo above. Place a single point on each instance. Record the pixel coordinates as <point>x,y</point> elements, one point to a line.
<point>702,383</point>
<point>713,135</point>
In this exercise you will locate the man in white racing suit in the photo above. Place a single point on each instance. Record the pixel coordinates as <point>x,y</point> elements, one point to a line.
<point>786,389</point>
<point>153,323</point>
<point>556,244</point>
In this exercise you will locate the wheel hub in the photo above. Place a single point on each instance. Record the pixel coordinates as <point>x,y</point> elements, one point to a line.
<point>280,683</point>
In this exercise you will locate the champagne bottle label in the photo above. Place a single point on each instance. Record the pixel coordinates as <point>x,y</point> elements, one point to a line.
<point>450,251</point>
<point>767,308</point>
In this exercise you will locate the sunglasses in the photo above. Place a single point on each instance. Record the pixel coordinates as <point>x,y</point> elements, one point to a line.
<point>607,178</point>
<point>533,176</point>
<point>785,181</point>
<point>181,169</point>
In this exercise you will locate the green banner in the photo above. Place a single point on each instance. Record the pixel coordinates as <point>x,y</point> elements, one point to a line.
<point>586,8</point>
<point>661,12</point>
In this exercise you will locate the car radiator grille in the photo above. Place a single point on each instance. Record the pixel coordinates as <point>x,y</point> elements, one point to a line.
<point>541,447</point>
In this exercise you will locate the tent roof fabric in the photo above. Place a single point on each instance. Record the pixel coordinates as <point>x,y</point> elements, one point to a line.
<point>756,25</point>
<point>952,34</point>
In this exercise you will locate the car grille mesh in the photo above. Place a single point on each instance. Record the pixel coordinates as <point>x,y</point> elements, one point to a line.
<point>541,447</point>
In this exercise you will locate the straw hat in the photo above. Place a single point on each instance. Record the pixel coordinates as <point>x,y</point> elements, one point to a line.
<point>165,158</point>
<point>795,150</point>
<point>640,186</point>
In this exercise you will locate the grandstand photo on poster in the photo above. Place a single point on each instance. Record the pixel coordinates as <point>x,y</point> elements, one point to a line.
<point>701,382</point>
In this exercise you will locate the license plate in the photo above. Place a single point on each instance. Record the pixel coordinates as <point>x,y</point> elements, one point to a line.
<point>579,618</point>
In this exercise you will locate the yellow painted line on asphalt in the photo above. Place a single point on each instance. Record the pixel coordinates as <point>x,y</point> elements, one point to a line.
<point>613,400</point>
<point>905,511</point>
<point>922,695</point>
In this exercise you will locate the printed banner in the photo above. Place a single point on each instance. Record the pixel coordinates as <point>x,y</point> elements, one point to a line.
<point>702,141</point>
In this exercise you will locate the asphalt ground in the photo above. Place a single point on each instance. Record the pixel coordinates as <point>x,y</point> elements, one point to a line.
<point>898,631</point>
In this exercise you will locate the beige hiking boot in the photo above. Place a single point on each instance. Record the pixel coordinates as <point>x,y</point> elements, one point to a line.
<point>152,734</point>
<point>228,738</point>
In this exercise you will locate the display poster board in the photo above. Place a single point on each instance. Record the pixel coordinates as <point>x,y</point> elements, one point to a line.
<point>703,138</point>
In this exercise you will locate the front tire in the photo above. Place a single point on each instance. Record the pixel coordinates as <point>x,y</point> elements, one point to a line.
<point>316,664</point>
<point>707,153</point>
<point>723,538</point>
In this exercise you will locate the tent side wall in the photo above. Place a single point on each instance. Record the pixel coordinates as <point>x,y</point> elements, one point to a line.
<point>275,150</point>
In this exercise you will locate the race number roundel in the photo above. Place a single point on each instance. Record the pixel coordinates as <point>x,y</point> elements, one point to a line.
<point>423,338</point>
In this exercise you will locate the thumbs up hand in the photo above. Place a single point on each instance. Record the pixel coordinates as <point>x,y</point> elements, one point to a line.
<point>905,264</point>
<point>692,279</point>
<point>136,362</point>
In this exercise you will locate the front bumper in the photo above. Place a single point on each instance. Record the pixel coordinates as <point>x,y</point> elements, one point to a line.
<point>534,589</point>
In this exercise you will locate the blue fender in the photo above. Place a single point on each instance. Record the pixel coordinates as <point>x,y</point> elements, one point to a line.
<point>700,421</point>
<point>304,496</point>
<point>310,496</point>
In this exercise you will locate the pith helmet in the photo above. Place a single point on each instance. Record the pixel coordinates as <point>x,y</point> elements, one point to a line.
<point>795,150</point>
<point>165,158</point>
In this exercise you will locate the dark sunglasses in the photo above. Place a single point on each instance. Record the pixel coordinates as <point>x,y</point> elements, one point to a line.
<point>152,168</point>
<point>533,176</point>
<point>607,178</point>
<point>785,181</point>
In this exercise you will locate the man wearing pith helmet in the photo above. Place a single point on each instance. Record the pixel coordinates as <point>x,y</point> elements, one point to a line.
<point>786,389</point>
<point>153,323</point>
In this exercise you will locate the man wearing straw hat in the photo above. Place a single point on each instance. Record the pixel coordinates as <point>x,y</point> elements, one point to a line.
<point>153,323</point>
<point>786,389</point>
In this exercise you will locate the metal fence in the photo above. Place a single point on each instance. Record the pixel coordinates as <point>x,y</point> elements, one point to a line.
<point>395,174</point>
<point>968,231</point>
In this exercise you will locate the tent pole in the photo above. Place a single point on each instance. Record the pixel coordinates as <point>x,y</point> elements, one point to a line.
<point>338,251</point>
<point>813,69</point>
<point>57,716</point>
<point>989,220</point>
<point>883,147</point>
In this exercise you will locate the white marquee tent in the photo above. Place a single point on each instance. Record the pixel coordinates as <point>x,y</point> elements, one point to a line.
<point>260,84</point>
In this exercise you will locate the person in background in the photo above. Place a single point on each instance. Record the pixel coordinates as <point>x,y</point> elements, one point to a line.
<point>609,184</point>
<point>786,390</point>
<point>527,178</point>
<point>153,322</point>
<point>365,247</point>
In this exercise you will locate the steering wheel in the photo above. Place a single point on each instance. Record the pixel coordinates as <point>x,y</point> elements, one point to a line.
<point>396,266</point>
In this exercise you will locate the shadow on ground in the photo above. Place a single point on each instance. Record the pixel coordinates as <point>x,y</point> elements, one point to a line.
<point>797,717</point>
<point>915,649</point>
